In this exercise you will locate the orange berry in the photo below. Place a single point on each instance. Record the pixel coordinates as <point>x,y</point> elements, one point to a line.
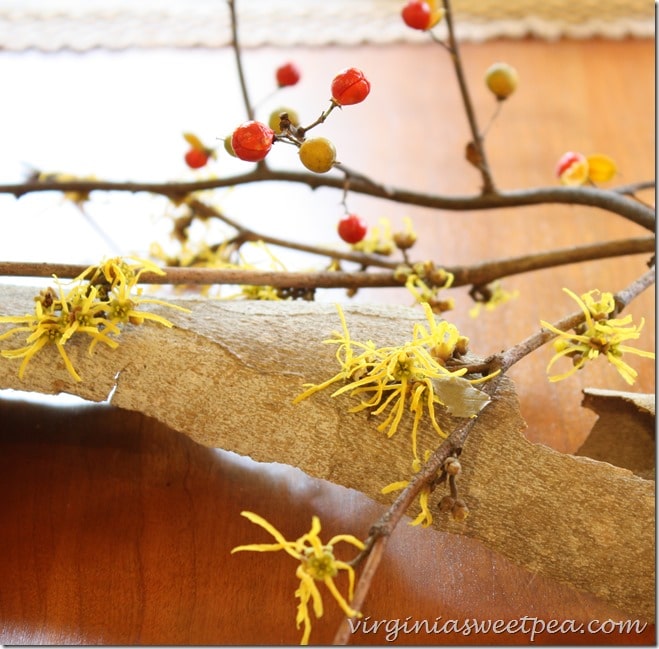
<point>196,158</point>
<point>350,86</point>
<point>416,14</point>
<point>287,75</point>
<point>572,168</point>
<point>351,228</point>
<point>252,141</point>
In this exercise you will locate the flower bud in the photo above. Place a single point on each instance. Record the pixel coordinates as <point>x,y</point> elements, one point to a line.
<point>442,306</point>
<point>402,272</point>
<point>462,346</point>
<point>404,240</point>
<point>439,277</point>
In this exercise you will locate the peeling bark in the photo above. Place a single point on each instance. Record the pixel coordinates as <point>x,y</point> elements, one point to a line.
<point>226,375</point>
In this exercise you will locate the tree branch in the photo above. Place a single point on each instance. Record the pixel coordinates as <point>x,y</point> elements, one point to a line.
<point>478,274</point>
<point>609,200</point>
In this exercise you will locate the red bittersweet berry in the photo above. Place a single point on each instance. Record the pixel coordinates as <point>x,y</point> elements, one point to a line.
<point>417,14</point>
<point>567,160</point>
<point>198,154</point>
<point>287,75</point>
<point>351,228</point>
<point>252,141</point>
<point>572,168</point>
<point>350,86</point>
<point>196,158</point>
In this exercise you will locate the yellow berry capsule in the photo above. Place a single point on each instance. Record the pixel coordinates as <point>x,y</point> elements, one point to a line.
<point>502,80</point>
<point>228,147</point>
<point>601,168</point>
<point>274,121</point>
<point>318,154</point>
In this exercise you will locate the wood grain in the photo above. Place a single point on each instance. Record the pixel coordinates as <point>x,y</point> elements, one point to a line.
<point>117,530</point>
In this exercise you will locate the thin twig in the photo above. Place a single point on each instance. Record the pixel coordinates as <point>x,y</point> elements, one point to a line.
<point>235,45</point>
<point>368,573</point>
<point>477,138</point>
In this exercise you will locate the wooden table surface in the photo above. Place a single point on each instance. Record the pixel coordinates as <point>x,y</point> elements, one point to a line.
<point>116,530</point>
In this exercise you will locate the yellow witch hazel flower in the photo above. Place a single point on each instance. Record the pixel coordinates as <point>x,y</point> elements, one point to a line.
<point>598,335</point>
<point>493,296</point>
<point>409,377</point>
<point>99,302</point>
<point>425,281</point>
<point>425,515</point>
<point>317,564</point>
<point>379,240</point>
<point>57,316</point>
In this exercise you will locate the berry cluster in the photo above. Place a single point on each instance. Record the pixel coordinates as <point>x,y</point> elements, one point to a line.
<point>575,168</point>
<point>253,140</point>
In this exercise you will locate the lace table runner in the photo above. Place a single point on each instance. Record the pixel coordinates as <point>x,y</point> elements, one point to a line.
<point>51,25</point>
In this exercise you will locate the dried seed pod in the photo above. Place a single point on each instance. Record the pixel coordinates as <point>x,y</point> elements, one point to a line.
<point>452,465</point>
<point>404,240</point>
<point>446,504</point>
<point>460,511</point>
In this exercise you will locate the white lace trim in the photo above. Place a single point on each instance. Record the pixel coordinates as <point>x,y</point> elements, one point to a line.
<point>51,25</point>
